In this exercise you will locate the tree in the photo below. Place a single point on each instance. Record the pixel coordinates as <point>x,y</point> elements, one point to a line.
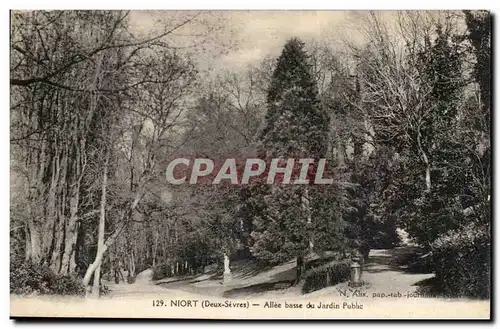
<point>55,134</point>
<point>416,99</point>
<point>479,24</point>
<point>82,100</point>
<point>224,124</point>
<point>436,138</point>
<point>296,126</point>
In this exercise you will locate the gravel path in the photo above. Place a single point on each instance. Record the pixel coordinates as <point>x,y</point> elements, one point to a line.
<point>380,276</point>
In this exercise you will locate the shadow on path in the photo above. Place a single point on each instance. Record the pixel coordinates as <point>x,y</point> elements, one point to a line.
<point>258,288</point>
<point>402,259</point>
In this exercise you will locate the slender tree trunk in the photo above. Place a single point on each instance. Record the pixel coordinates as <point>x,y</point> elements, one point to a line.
<point>60,215</point>
<point>307,209</point>
<point>102,227</point>
<point>27,241</point>
<point>123,222</point>
<point>36,213</point>
<point>131,272</point>
<point>53,225</point>
<point>67,262</point>
<point>155,248</point>
<point>100,254</point>
<point>369,133</point>
<point>340,153</point>
<point>428,183</point>
<point>34,235</point>
<point>33,251</point>
<point>93,267</point>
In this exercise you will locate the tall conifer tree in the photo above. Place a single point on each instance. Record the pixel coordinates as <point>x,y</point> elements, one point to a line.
<point>296,127</point>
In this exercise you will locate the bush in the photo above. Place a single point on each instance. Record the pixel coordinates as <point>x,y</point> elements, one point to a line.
<point>422,264</point>
<point>29,278</point>
<point>103,290</point>
<point>161,271</point>
<point>380,234</point>
<point>326,275</point>
<point>413,259</point>
<point>462,261</point>
<point>67,285</point>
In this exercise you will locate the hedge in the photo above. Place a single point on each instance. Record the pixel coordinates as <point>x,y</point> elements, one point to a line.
<point>326,275</point>
<point>462,261</point>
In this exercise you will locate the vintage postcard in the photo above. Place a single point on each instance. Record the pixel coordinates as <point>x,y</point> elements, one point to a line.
<point>250,164</point>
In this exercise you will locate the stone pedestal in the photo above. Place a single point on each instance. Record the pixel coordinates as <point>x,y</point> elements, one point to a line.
<point>355,273</point>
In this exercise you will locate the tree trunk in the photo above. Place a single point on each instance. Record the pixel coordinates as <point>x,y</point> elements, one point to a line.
<point>27,245</point>
<point>307,209</point>
<point>300,268</point>
<point>91,269</point>
<point>97,281</point>
<point>369,133</point>
<point>34,236</point>
<point>428,177</point>
<point>131,268</point>
<point>123,222</point>
<point>53,226</point>
<point>67,262</point>
<point>100,254</point>
<point>340,153</point>
<point>33,241</point>
<point>71,227</point>
<point>35,213</point>
<point>102,226</point>
<point>155,248</point>
<point>428,183</point>
<point>57,235</point>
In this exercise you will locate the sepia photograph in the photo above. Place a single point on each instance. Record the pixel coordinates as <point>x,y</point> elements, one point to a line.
<point>250,164</point>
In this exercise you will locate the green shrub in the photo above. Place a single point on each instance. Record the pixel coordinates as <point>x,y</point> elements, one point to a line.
<point>29,278</point>
<point>326,275</point>
<point>462,261</point>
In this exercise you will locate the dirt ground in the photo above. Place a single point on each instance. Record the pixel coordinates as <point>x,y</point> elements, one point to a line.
<point>388,292</point>
<point>384,278</point>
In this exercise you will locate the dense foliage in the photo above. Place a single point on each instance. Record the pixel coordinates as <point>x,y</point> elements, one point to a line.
<point>27,278</point>
<point>326,275</point>
<point>295,220</point>
<point>462,260</point>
